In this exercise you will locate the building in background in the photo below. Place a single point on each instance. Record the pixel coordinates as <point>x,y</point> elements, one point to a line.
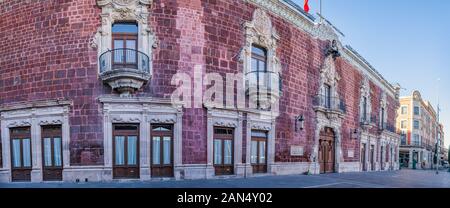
<point>419,129</point>
<point>85,92</point>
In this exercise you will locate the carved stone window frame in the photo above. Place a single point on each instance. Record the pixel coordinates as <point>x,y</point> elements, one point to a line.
<point>124,11</point>
<point>365,93</point>
<point>144,112</point>
<point>383,105</point>
<point>35,118</point>
<point>229,119</point>
<point>330,77</point>
<point>262,33</point>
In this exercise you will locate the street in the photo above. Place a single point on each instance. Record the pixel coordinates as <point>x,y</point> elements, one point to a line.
<point>404,178</point>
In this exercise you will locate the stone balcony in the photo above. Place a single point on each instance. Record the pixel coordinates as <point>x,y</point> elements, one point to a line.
<point>263,89</point>
<point>329,105</point>
<point>125,70</point>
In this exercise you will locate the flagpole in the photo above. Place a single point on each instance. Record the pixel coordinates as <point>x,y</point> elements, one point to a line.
<point>321,17</point>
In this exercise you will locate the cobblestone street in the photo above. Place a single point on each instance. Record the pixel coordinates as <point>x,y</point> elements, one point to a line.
<point>399,179</point>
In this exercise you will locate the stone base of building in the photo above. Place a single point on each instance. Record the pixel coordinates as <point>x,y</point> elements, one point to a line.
<point>345,167</point>
<point>83,174</point>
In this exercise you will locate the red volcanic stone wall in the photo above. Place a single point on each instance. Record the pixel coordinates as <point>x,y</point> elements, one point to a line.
<point>45,55</point>
<point>300,57</point>
<point>349,89</point>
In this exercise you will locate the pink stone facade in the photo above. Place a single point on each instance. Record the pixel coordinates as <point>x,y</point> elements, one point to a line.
<point>45,54</point>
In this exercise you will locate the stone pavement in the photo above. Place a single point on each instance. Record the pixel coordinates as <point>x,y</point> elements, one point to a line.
<point>397,179</point>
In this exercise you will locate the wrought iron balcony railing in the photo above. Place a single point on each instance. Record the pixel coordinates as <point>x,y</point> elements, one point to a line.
<point>124,58</point>
<point>329,103</point>
<point>264,88</point>
<point>125,70</point>
<point>388,127</point>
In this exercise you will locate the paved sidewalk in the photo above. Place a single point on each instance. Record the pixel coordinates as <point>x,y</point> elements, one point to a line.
<point>397,179</point>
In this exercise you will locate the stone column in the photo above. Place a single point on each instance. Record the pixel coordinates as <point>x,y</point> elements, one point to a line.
<point>144,147</point>
<point>209,147</point>
<point>240,171</point>
<point>6,152</point>
<point>36,150</point>
<point>178,147</point>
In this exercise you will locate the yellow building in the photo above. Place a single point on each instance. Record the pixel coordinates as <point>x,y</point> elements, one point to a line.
<point>418,124</point>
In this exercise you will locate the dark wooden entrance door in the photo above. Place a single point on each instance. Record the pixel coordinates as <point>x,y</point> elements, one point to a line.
<point>223,151</point>
<point>52,153</point>
<point>259,152</point>
<point>21,154</point>
<point>382,158</point>
<point>363,157</point>
<point>126,151</point>
<point>327,151</point>
<point>372,157</point>
<point>162,151</point>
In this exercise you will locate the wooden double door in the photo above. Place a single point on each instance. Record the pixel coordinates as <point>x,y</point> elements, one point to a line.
<point>162,151</point>
<point>125,151</point>
<point>363,157</point>
<point>327,151</point>
<point>21,161</point>
<point>259,151</point>
<point>52,161</point>
<point>223,151</point>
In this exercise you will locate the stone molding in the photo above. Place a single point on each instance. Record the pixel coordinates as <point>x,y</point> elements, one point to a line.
<point>145,112</point>
<point>324,31</point>
<point>261,32</point>
<point>35,115</point>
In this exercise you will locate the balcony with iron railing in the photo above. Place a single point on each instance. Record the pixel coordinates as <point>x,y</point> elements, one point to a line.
<point>263,88</point>
<point>125,70</point>
<point>387,127</point>
<point>329,104</point>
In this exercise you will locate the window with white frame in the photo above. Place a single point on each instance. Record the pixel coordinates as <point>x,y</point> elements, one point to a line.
<point>416,139</point>
<point>416,124</point>
<point>404,110</point>
<point>404,124</point>
<point>416,110</point>
<point>262,67</point>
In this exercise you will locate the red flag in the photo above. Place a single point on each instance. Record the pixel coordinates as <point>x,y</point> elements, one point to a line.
<point>306,7</point>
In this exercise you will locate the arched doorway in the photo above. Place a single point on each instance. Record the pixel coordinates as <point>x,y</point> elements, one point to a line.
<point>327,151</point>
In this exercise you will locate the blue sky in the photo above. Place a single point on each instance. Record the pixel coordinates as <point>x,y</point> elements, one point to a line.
<point>408,41</point>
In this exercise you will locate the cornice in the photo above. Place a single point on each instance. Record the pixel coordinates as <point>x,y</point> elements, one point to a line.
<point>323,31</point>
<point>35,104</point>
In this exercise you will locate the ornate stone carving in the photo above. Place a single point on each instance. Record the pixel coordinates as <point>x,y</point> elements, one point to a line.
<point>50,122</point>
<point>261,127</point>
<point>123,79</point>
<point>125,120</point>
<point>162,121</point>
<point>328,73</point>
<point>333,50</point>
<point>225,124</point>
<point>19,124</point>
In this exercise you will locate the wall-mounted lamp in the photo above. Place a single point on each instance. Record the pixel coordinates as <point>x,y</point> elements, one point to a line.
<point>299,122</point>
<point>354,134</point>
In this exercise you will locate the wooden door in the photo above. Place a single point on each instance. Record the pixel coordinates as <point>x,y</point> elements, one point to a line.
<point>162,151</point>
<point>125,151</point>
<point>363,157</point>
<point>52,162</point>
<point>327,151</point>
<point>259,151</point>
<point>382,158</point>
<point>223,151</point>
<point>21,161</point>
<point>372,157</point>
